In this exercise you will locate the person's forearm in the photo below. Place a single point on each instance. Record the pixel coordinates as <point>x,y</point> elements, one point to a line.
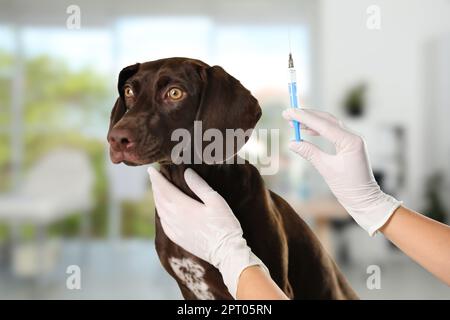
<point>255,284</point>
<point>424,240</point>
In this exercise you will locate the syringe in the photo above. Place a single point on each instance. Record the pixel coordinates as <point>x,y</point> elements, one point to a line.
<point>293,94</point>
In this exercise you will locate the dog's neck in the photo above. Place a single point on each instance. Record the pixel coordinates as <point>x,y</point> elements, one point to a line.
<point>175,174</point>
<point>219,176</point>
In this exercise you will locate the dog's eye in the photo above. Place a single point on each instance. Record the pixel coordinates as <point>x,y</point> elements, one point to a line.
<point>129,92</point>
<point>175,93</point>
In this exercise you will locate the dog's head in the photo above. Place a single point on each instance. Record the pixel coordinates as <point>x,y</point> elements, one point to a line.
<point>158,97</point>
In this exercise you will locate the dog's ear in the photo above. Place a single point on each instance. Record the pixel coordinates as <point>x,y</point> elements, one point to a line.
<point>119,108</point>
<point>124,75</point>
<point>227,104</point>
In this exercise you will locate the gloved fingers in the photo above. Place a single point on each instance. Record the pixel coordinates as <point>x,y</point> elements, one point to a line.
<point>308,131</point>
<point>349,135</point>
<point>309,152</point>
<point>200,187</point>
<point>168,193</point>
<point>165,208</point>
<point>169,231</point>
<point>325,127</point>
<point>325,115</point>
<point>165,188</point>
<point>305,129</point>
<point>196,242</point>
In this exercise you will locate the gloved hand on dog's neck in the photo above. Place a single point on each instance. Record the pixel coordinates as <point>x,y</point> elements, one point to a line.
<point>208,230</point>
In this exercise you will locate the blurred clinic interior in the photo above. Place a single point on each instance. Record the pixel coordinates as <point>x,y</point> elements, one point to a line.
<point>64,205</point>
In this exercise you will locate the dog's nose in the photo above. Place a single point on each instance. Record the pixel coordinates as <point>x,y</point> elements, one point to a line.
<point>120,139</point>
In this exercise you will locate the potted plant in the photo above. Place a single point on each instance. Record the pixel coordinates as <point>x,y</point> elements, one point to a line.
<point>355,100</point>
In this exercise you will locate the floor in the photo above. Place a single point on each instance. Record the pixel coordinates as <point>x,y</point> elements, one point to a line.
<point>131,270</point>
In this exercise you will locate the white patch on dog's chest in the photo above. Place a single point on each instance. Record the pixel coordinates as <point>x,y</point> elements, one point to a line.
<point>191,274</point>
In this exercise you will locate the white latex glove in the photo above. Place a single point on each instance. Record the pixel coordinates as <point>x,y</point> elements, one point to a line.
<point>348,172</point>
<point>208,230</point>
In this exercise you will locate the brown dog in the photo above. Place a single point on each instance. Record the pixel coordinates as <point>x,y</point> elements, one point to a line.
<point>160,96</point>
